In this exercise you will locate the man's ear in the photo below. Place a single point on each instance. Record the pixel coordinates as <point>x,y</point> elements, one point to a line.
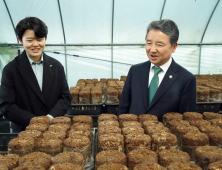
<point>20,40</point>
<point>45,37</point>
<point>175,47</point>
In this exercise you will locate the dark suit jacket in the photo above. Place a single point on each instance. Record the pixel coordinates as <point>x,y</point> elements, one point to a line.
<point>21,97</point>
<point>176,94</point>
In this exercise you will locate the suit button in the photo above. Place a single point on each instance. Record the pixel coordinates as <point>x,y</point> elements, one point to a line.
<point>44,108</point>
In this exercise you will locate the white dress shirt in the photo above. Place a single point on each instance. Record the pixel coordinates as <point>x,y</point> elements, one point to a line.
<point>161,75</point>
<point>37,68</point>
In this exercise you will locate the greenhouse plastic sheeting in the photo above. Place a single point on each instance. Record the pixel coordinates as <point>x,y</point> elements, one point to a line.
<point>102,39</point>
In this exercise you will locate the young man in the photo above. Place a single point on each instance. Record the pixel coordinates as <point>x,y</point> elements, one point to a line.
<point>159,85</point>
<point>33,84</point>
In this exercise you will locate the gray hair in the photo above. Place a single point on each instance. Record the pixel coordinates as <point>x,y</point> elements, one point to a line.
<point>166,26</point>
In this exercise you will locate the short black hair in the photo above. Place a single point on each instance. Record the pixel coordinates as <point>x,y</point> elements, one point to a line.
<point>32,23</point>
<point>166,26</point>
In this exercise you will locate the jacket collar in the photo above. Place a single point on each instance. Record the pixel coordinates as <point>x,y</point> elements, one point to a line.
<point>167,81</point>
<point>27,73</point>
<point>49,69</point>
<point>144,77</point>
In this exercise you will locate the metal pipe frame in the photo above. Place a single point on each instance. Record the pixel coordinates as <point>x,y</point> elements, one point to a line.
<point>161,15</point>
<point>64,36</point>
<point>91,58</point>
<point>204,35</point>
<point>112,35</point>
<point>102,45</point>
<point>6,6</point>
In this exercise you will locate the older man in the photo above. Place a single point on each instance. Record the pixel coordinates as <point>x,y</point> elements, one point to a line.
<point>159,85</point>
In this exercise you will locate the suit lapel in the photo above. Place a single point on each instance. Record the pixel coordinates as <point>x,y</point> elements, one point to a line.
<point>48,74</point>
<point>167,81</point>
<point>27,73</point>
<point>144,77</point>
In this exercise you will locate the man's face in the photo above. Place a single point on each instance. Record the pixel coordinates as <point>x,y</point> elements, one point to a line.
<point>33,45</point>
<point>158,47</point>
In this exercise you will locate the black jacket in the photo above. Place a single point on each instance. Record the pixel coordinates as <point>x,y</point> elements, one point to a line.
<point>176,93</point>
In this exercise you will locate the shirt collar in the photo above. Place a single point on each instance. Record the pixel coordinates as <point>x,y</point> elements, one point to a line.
<point>164,67</point>
<point>31,61</point>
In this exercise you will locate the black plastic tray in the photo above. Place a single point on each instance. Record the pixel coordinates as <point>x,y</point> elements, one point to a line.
<point>112,108</point>
<point>200,107</point>
<point>208,107</point>
<point>4,139</point>
<point>86,109</point>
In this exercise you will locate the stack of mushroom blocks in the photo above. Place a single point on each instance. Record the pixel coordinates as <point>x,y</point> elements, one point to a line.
<point>62,143</point>
<point>189,141</point>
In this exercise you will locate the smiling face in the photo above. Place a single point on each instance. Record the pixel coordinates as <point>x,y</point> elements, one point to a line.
<point>33,45</point>
<point>158,47</point>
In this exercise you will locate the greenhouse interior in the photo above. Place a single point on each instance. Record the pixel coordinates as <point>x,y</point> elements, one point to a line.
<point>99,40</point>
<point>102,39</point>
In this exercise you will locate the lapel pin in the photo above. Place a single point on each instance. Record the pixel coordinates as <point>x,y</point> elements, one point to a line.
<point>170,76</point>
<point>50,66</point>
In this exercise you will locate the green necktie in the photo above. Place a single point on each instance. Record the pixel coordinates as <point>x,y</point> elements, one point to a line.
<point>154,83</point>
